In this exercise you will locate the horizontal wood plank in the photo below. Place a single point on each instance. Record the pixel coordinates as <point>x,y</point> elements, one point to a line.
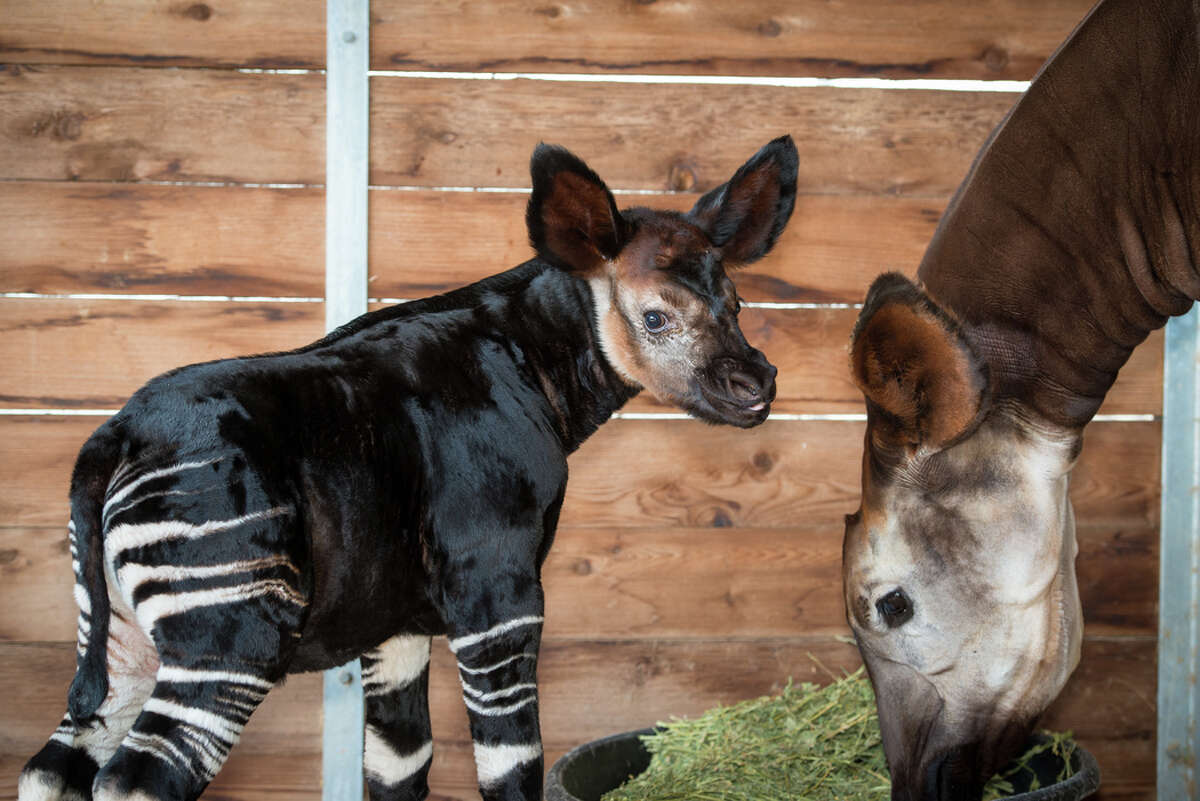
<point>94,353</point>
<point>423,243</point>
<point>438,132</point>
<point>591,689</point>
<point>249,33</point>
<point>652,584</point>
<point>996,39</point>
<point>70,237</point>
<point>1006,39</point>
<point>132,124</point>
<point>686,474</point>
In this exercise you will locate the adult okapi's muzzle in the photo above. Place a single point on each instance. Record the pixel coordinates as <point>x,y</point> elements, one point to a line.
<point>935,753</point>
<point>737,390</point>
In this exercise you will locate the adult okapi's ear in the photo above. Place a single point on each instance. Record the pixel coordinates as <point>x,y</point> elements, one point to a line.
<point>918,372</point>
<point>572,218</point>
<point>745,216</point>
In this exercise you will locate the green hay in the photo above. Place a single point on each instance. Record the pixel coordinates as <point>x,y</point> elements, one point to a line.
<point>809,743</point>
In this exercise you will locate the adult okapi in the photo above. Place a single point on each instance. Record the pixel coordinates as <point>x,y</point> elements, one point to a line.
<point>1075,234</point>
<point>400,478</point>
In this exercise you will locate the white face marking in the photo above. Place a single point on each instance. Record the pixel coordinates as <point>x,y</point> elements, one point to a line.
<point>387,766</point>
<point>984,551</point>
<point>494,762</point>
<point>395,663</point>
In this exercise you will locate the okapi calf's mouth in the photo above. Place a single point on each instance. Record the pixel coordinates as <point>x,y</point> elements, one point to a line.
<point>737,392</point>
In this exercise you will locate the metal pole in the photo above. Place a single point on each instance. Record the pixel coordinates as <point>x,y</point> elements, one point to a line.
<point>1179,572</point>
<point>347,38</point>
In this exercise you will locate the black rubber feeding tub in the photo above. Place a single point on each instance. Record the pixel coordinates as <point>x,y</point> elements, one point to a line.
<point>591,770</point>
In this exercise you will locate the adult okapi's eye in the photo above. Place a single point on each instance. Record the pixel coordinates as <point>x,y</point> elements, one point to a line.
<point>895,608</point>
<point>655,321</point>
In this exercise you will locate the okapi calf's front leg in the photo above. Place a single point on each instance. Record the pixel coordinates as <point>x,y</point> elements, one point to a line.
<point>398,740</point>
<point>498,671</point>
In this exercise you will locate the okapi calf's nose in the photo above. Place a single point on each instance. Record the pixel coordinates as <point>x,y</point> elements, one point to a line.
<point>746,385</point>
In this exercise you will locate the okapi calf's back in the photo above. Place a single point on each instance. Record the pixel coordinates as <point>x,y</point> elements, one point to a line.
<point>400,478</point>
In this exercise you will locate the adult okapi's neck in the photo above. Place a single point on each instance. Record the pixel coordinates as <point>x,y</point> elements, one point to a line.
<point>562,349</point>
<point>1077,231</point>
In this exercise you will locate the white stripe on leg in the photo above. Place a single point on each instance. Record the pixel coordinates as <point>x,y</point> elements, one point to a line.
<point>494,762</point>
<point>395,663</point>
<point>382,763</point>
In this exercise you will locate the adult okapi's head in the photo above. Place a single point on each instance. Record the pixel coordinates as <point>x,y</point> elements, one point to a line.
<point>666,312</point>
<point>958,567</point>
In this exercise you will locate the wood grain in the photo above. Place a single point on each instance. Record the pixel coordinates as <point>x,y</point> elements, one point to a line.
<point>990,40</point>
<point>249,33</point>
<point>934,38</point>
<point>436,132</point>
<point>426,242</point>
<point>235,240</point>
<point>648,584</point>
<point>133,124</point>
<point>685,475</point>
<point>73,353</point>
<point>95,353</point>
<point>74,237</point>
<point>593,688</point>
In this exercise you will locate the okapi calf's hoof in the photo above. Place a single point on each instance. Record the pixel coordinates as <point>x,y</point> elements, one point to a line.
<point>399,479</point>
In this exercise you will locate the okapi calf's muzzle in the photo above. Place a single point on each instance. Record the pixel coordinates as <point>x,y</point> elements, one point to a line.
<point>738,390</point>
<point>402,478</point>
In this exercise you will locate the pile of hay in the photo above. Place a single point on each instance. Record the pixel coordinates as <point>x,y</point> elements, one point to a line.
<point>807,743</point>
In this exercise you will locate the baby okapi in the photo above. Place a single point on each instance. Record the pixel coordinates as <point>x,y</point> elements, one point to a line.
<point>400,478</point>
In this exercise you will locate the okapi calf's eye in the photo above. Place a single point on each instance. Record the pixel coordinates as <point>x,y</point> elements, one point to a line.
<point>400,479</point>
<point>656,322</point>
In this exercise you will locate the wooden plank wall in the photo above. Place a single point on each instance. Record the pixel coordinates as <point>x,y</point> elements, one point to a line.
<point>154,149</point>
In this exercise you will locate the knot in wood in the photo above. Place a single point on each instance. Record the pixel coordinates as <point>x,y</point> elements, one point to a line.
<point>198,11</point>
<point>995,58</point>
<point>770,28</point>
<point>680,177</point>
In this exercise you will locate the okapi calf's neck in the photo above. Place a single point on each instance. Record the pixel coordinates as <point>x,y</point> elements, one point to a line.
<point>401,478</point>
<point>1076,233</point>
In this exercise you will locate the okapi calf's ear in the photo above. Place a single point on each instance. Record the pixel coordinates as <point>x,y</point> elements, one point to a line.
<point>745,216</point>
<point>572,219</point>
<point>917,370</point>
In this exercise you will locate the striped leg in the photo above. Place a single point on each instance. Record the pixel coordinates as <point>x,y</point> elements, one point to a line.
<point>223,602</point>
<point>498,671</point>
<point>183,734</point>
<point>398,741</point>
<point>66,767</point>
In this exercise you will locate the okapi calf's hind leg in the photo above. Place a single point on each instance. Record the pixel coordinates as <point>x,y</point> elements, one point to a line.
<point>67,765</point>
<point>398,740</point>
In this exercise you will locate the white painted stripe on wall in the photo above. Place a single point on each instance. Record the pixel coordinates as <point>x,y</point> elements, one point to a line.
<point>795,82</point>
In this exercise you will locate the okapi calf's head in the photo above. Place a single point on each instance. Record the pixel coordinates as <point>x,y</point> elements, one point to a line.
<point>665,310</point>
